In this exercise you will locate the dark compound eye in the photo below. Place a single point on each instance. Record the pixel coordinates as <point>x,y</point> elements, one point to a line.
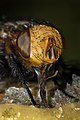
<point>23,44</point>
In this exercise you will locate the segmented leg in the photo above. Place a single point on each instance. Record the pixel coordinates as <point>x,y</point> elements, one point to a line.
<point>3,77</point>
<point>17,72</point>
<point>42,84</point>
<point>43,92</point>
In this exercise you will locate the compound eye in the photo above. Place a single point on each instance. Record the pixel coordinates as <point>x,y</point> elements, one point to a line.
<point>23,44</point>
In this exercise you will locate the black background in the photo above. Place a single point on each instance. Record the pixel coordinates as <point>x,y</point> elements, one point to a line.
<point>65,14</point>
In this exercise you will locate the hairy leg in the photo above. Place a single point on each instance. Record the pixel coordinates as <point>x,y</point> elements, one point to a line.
<point>16,72</point>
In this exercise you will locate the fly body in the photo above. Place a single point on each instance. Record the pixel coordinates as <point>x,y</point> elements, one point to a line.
<point>31,51</point>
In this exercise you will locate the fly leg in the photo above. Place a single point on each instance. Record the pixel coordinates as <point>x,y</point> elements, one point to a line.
<point>42,83</point>
<point>3,77</point>
<point>17,73</point>
<point>43,92</point>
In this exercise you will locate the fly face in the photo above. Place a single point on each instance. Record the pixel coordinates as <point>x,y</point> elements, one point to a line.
<point>40,44</point>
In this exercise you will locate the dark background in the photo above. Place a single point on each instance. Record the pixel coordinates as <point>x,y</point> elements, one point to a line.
<point>64,14</point>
